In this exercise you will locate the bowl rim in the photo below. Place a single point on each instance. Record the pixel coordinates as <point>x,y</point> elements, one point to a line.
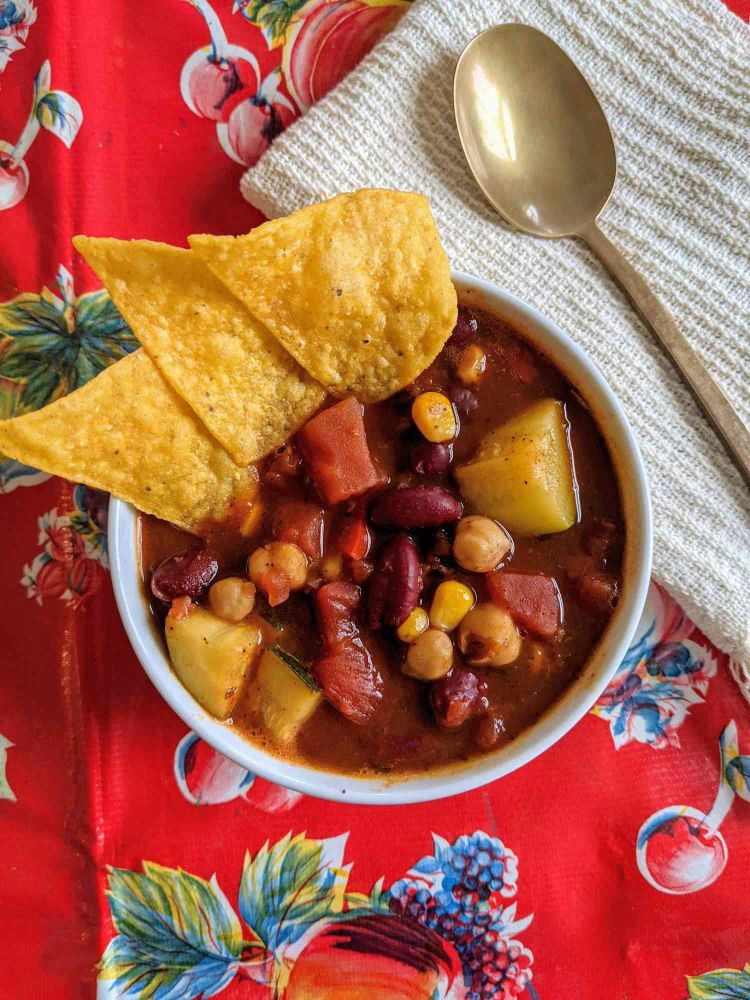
<point>555,722</point>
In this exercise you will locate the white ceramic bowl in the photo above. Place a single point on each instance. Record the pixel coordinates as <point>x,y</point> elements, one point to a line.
<point>559,718</point>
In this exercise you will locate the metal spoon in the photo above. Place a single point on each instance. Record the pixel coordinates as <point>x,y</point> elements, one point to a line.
<point>539,145</point>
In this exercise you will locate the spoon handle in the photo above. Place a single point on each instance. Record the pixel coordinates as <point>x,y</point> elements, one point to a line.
<point>709,393</point>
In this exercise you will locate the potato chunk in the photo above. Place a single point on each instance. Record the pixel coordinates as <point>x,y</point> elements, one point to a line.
<point>287,695</point>
<point>212,657</point>
<point>522,474</point>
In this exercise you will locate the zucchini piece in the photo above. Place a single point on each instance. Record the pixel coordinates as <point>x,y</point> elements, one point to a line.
<point>297,666</point>
<point>286,693</point>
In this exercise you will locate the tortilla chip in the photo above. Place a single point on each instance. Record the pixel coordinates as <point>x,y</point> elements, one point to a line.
<point>127,432</point>
<point>248,391</point>
<point>357,288</point>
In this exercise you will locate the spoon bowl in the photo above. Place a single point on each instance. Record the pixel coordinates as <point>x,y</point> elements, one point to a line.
<point>540,148</point>
<point>533,131</point>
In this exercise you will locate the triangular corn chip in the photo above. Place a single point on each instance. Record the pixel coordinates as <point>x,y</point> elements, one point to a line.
<point>127,432</point>
<point>357,288</point>
<point>248,391</point>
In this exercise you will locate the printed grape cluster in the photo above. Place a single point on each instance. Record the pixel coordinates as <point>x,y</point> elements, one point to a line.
<point>459,893</point>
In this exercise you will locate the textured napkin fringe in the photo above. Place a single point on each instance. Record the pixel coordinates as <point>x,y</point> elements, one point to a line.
<point>673,77</point>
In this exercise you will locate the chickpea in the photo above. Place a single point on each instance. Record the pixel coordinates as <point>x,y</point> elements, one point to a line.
<point>232,598</point>
<point>285,558</point>
<point>430,656</point>
<point>488,638</point>
<point>480,544</point>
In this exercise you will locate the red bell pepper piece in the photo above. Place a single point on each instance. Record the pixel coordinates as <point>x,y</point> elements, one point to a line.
<point>351,533</point>
<point>334,447</point>
<point>276,586</point>
<point>532,599</point>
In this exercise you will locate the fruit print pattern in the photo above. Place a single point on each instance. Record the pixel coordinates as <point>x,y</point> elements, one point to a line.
<point>318,42</point>
<point>207,778</point>
<point>721,984</point>
<point>16,18</point>
<point>51,344</point>
<point>680,850</point>
<point>459,891</point>
<point>222,82</point>
<point>301,933</point>
<point>53,110</point>
<point>663,675</point>
<point>73,562</point>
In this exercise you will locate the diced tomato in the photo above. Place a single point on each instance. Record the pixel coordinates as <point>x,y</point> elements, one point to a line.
<point>335,604</point>
<point>597,591</point>
<point>275,585</point>
<point>532,599</point>
<point>301,523</point>
<point>180,608</point>
<point>349,678</point>
<point>351,536</point>
<point>350,681</point>
<point>334,447</point>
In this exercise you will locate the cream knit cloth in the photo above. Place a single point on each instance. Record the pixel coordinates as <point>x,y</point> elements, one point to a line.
<point>674,79</point>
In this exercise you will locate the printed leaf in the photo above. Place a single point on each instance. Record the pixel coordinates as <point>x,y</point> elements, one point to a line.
<point>51,347</point>
<point>738,775</point>
<point>376,901</point>
<point>43,79</point>
<point>178,936</point>
<point>721,984</point>
<point>289,886</point>
<point>273,17</point>
<point>60,114</point>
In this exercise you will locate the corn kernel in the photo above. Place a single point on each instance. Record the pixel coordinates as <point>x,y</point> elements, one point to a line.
<point>331,566</point>
<point>451,602</point>
<point>433,414</point>
<point>252,520</point>
<point>413,626</point>
<point>471,365</point>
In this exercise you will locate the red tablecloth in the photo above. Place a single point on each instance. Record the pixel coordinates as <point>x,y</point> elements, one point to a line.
<point>595,872</point>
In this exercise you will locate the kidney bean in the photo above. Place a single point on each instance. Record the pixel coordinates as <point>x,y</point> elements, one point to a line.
<point>188,574</point>
<point>395,585</point>
<point>465,330</point>
<point>416,507</point>
<point>463,399</point>
<point>429,459</point>
<point>457,697</point>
